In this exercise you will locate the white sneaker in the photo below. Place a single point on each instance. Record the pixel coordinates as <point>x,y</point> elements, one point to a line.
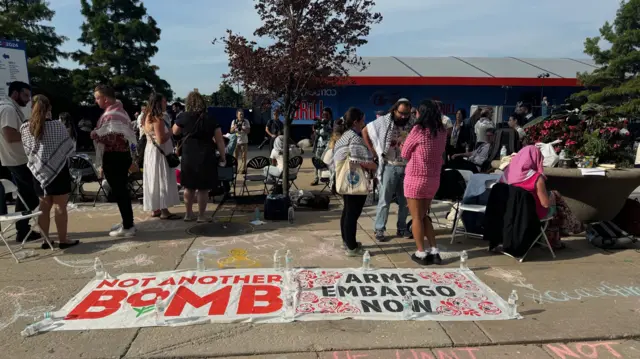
<point>115,227</point>
<point>121,232</point>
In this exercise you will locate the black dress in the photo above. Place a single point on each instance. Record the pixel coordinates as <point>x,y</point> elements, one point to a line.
<point>198,166</point>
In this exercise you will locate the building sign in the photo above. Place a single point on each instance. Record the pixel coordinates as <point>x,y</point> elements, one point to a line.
<point>13,67</point>
<point>270,296</point>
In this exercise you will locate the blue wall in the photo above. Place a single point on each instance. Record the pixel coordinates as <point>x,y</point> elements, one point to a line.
<point>374,98</point>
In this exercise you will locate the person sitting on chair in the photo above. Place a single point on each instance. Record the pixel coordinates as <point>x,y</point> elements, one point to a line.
<point>475,159</point>
<point>274,171</point>
<point>526,171</point>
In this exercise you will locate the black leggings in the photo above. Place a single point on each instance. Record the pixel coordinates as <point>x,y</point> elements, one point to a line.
<point>115,166</point>
<point>353,205</point>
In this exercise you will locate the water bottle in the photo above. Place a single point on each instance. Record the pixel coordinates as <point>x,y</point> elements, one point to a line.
<point>277,258</point>
<point>291,215</point>
<point>407,307</point>
<point>563,155</point>
<point>53,316</point>
<point>366,261</point>
<point>160,308</point>
<point>288,260</point>
<point>513,303</point>
<point>463,260</point>
<point>35,328</point>
<point>99,268</point>
<point>25,254</point>
<point>257,214</point>
<point>200,261</point>
<point>503,152</point>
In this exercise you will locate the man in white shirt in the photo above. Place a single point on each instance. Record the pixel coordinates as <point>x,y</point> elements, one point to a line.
<point>241,127</point>
<point>12,153</point>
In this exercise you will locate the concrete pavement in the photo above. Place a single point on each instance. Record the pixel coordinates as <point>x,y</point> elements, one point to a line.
<point>588,299</point>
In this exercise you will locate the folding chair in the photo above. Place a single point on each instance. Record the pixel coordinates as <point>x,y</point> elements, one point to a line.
<point>135,184</point>
<point>12,218</point>
<point>83,172</point>
<point>476,208</point>
<point>541,239</point>
<point>256,163</point>
<point>319,165</point>
<point>233,163</point>
<point>294,164</point>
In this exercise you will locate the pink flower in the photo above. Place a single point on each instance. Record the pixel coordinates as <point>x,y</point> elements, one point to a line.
<point>617,145</point>
<point>544,132</point>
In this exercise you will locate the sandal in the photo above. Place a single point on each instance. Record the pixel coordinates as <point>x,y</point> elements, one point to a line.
<point>191,218</point>
<point>170,217</point>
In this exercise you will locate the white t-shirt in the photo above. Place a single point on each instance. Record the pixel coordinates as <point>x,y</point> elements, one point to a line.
<point>275,155</point>
<point>242,135</point>
<point>11,153</point>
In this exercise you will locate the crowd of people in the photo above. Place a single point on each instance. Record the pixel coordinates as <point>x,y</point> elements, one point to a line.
<point>405,151</point>
<point>36,153</point>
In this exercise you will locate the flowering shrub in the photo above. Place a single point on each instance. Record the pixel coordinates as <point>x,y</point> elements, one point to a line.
<point>586,134</point>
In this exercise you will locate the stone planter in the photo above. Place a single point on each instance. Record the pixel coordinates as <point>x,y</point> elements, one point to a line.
<point>593,198</point>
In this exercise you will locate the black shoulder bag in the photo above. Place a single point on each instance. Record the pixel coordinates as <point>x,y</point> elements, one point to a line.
<point>172,159</point>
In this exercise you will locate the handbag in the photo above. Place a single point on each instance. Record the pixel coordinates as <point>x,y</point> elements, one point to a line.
<point>172,159</point>
<point>351,179</point>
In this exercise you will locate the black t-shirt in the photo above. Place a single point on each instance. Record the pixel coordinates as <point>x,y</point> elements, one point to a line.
<point>200,131</point>
<point>275,127</point>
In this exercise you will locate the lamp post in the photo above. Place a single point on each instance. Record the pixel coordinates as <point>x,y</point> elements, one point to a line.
<point>542,76</point>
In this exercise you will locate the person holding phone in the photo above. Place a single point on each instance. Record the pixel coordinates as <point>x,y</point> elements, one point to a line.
<point>241,127</point>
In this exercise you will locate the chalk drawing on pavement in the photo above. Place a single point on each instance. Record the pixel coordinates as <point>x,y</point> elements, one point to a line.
<point>83,266</point>
<point>124,247</point>
<point>174,243</point>
<point>580,350</point>
<point>602,291</point>
<point>514,277</point>
<point>258,241</point>
<point>238,258</point>
<point>14,298</point>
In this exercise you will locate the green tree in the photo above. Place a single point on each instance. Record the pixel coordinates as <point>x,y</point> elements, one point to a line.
<point>26,21</point>
<point>226,96</point>
<point>121,37</point>
<point>615,84</point>
<point>312,45</point>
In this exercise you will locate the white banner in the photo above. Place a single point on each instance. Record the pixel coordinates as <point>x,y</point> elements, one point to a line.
<point>269,296</point>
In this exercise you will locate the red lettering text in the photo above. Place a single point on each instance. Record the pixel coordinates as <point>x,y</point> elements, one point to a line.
<point>138,300</point>
<point>249,297</point>
<point>95,300</point>
<point>218,301</point>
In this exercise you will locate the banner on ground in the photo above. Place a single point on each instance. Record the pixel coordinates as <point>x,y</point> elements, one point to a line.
<point>270,296</point>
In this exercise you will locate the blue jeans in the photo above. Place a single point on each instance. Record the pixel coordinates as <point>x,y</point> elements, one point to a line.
<point>392,182</point>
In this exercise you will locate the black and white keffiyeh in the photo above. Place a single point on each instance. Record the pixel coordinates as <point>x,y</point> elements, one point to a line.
<point>351,145</point>
<point>47,155</point>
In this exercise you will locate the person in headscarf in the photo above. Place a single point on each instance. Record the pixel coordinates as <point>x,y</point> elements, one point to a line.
<point>277,158</point>
<point>527,172</point>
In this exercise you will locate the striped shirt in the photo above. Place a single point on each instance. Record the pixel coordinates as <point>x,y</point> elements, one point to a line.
<point>351,145</point>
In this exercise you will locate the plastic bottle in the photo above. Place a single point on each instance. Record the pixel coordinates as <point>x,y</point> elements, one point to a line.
<point>200,261</point>
<point>463,260</point>
<point>160,308</point>
<point>503,152</point>
<point>277,259</point>
<point>257,214</point>
<point>288,260</point>
<point>513,303</point>
<point>35,328</point>
<point>53,315</point>
<point>407,307</point>
<point>291,215</point>
<point>99,268</point>
<point>25,254</point>
<point>563,155</point>
<point>366,261</point>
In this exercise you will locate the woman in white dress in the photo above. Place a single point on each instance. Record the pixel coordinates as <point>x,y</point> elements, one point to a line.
<point>160,187</point>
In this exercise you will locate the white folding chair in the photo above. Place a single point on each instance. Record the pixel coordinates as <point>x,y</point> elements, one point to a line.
<point>8,221</point>
<point>476,208</point>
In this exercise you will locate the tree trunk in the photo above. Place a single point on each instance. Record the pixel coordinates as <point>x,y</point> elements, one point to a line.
<point>285,154</point>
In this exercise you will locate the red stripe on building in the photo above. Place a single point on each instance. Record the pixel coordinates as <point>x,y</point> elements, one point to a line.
<point>463,81</point>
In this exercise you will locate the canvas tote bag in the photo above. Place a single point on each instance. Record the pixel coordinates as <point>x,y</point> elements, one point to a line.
<point>351,178</point>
